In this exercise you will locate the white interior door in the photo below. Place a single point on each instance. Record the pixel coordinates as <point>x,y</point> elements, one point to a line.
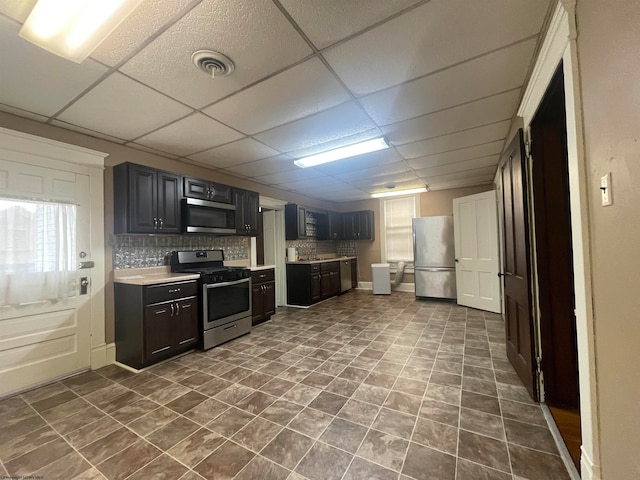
<point>272,223</point>
<point>44,335</point>
<point>476,246</point>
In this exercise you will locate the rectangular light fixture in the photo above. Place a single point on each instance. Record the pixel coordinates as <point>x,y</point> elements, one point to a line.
<point>396,193</point>
<point>74,28</point>
<point>343,152</point>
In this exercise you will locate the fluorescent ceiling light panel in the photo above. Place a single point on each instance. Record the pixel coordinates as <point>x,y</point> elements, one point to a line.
<point>343,152</point>
<point>74,28</point>
<point>395,193</point>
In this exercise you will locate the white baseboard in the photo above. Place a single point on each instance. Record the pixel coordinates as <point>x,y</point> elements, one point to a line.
<point>103,355</point>
<point>111,353</point>
<point>403,287</point>
<point>588,470</point>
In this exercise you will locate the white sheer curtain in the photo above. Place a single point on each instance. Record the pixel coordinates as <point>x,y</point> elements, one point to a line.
<point>398,215</point>
<point>37,251</point>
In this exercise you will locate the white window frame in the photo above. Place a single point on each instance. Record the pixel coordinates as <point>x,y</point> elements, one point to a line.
<point>383,229</point>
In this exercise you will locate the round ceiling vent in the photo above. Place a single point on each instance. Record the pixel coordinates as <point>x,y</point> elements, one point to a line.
<point>212,63</point>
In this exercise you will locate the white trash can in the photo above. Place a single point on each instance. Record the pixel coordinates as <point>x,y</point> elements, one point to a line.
<point>381,275</point>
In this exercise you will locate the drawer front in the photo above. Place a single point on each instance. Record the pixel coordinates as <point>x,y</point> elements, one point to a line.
<point>315,268</point>
<point>330,267</point>
<point>170,291</point>
<point>224,333</point>
<point>262,276</point>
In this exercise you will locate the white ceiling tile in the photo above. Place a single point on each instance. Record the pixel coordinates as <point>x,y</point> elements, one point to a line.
<point>494,148</point>
<point>344,120</point>
<point>86,131</point>
<point>253,33</point>
<point>469,182</point>
<point>384,170</point>
<point>316,185</point>
<point>494,73</point>
<point>17,9</point>
<point>127,108</point>
<point>290,176</point>
<point>346,196</point>
<point>491,161</point>
<point>456,141</point>
<point>450,177</point>
<point>267,166</point>
<point>235,153</point>
<point>384,180</point>
<point>328,21</point>
<point>143,22</point>
<point>433,36</point>
<point>300,91</point>
<point>399,185</point>
<point>469,115</point>
<point>361,162</point>
<point>193,134</point>
<point>22,113</point>
<point>34,79</point>
<point>144,148</point>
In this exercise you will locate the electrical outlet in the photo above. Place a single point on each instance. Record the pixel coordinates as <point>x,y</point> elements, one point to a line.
<point>606,191</point>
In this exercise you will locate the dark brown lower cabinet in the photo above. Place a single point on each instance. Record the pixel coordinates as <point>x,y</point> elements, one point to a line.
<point>155,322</point>
<point>263,295</point>
<point>310,283</point>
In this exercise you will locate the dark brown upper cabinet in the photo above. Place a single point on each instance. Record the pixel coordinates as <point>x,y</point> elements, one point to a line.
<point>358,225</point>
<point>146,200</point>
<point>329,226</point>
<point>247,207</point>
<point>295,221</point>
<point>205,190</point>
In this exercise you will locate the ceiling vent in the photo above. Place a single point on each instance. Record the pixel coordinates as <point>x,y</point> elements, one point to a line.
<point>213,63</point>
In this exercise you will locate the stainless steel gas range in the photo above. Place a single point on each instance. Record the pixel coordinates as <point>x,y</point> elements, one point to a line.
<point>225,304</point>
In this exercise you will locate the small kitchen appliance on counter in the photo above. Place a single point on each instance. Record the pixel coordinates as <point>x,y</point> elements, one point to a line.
<point>225,305</point>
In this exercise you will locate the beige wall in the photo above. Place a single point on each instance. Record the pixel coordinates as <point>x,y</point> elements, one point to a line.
<point>431,203</point>
<point>608,40</point>
<point>119,154</point>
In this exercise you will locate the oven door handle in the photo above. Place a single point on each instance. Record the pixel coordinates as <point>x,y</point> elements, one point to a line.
<point>227,284</point>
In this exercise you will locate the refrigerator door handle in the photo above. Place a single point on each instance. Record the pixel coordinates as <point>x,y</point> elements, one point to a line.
<point>438,269</point>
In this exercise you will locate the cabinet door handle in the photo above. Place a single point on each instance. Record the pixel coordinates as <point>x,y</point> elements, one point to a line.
<point>263,275</point>
<point>172,310</point>
<point>160,312</point>
<point>177,309</point>
<point>161,350</point>
<point>188,305</point>
<point>174,290</point>
<point>161,224</point>
<point>155,223</point>
<point>187,340</point>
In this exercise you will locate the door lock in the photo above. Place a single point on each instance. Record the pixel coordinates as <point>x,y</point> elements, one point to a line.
<point>84,285</point>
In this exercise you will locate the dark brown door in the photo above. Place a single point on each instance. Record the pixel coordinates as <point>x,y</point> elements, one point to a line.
<point>185,322</point>
<point>554,253</point>
<point>517,269</point>
<point>143,216</point>
<point>269,300</point>
<point>158,331</point>
<point>316,287</point>
<point>257,302</point>
<point>169,195</point>
<point>325,285</point>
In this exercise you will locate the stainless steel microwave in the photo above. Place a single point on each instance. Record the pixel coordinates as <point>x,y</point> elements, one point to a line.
<point>204,216</point>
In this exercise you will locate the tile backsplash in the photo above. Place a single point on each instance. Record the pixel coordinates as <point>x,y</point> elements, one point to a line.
<point>310,247</point>
<point>136,251</point>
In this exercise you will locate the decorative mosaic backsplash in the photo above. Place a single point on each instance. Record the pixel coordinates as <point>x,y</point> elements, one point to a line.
<point>136,251</point>
<point>346,248</point>
<point>311,248</point>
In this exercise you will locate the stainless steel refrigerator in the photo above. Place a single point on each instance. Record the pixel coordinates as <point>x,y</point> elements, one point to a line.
<point>434,257</point>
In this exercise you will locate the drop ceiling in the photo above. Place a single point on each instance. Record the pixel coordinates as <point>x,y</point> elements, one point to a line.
<point>440,79</point>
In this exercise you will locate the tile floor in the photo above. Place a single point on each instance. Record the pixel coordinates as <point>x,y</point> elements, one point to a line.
<point>358,387</point>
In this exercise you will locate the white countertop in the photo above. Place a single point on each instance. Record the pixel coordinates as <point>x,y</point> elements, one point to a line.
<point>325,260</point>
<point>150,276</point>
<point>257,268</point>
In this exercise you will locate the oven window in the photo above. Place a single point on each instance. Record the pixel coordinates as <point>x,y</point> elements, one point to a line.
<point>210,217</point>
<point>228,300</point>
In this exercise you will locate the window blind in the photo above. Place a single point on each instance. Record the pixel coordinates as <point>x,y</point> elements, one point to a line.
<point>398,214</point>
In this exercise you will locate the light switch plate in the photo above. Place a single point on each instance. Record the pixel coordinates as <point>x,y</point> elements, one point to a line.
<point>606,190</point>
